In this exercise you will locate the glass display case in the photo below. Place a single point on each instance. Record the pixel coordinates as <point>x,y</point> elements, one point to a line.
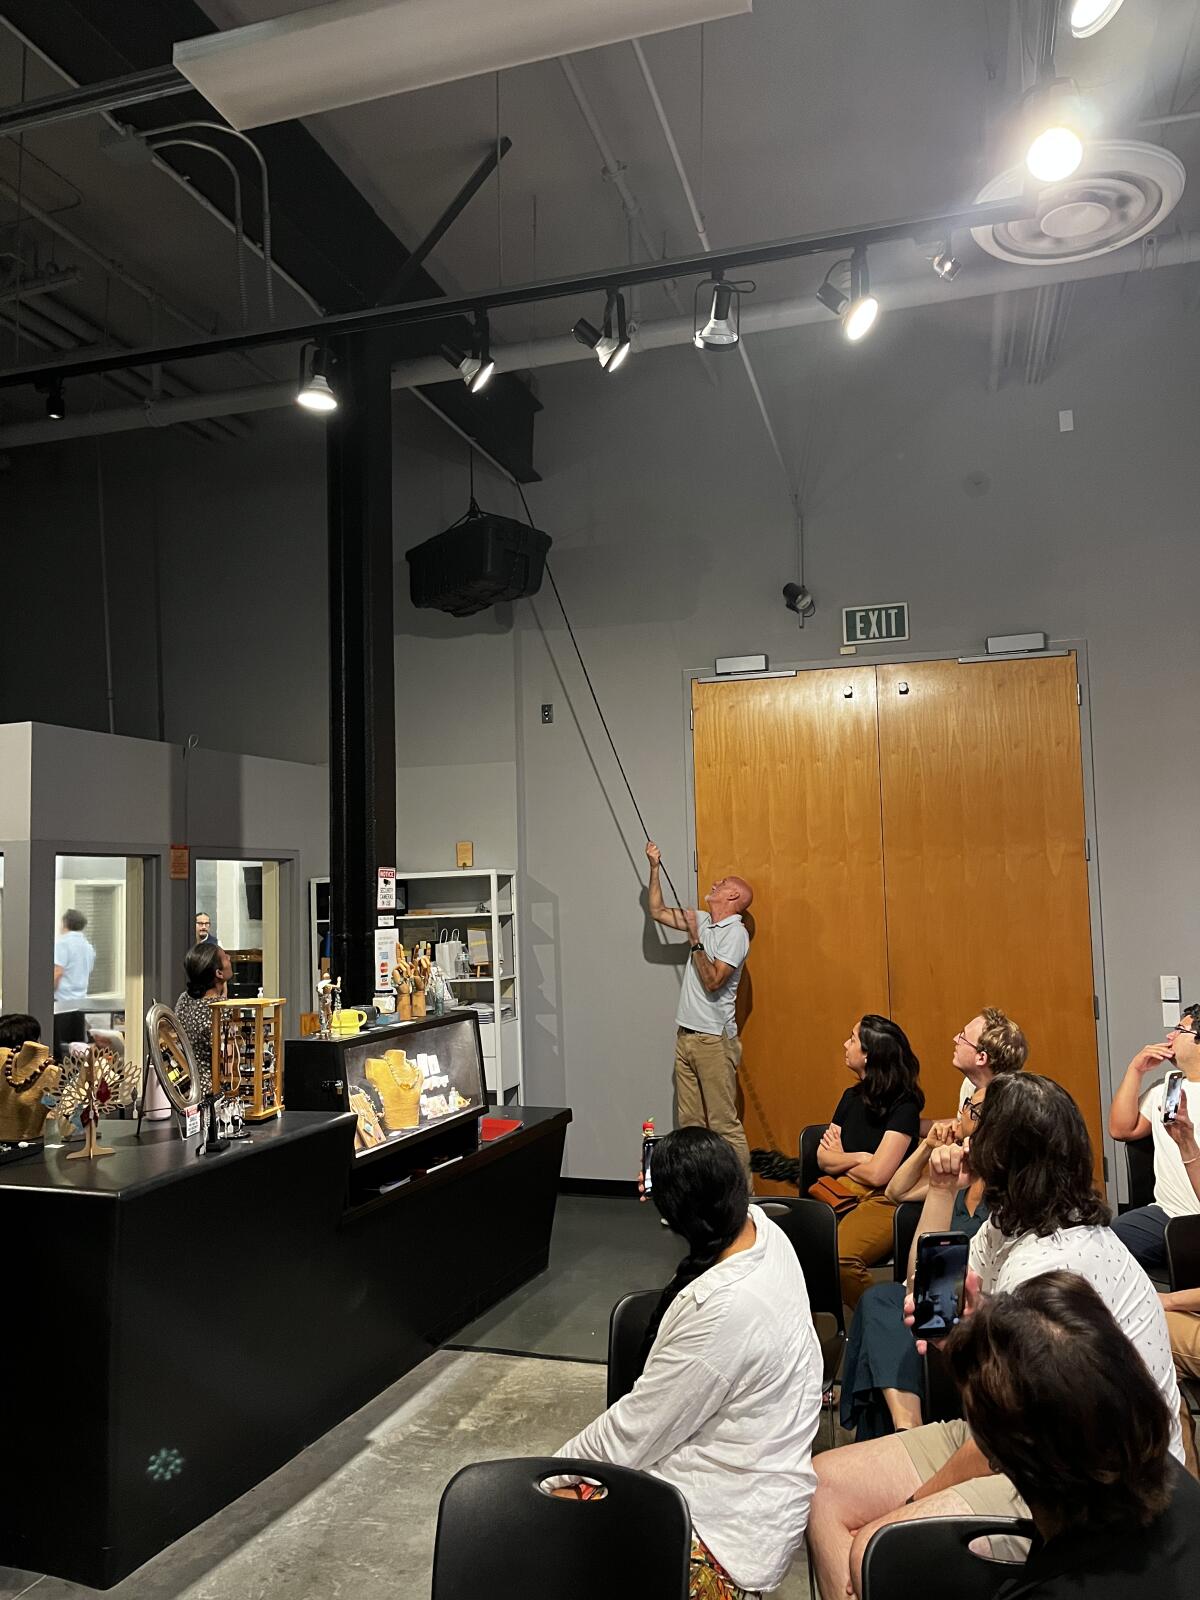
<point>409,1082</point>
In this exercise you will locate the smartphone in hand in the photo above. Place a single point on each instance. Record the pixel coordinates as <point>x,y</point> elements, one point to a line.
<point>648,1144</point>
<point>939,1283</point>
<point>1171,1096</point>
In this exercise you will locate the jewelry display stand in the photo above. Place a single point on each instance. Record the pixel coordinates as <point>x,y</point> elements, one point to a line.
<point>247,1046</point>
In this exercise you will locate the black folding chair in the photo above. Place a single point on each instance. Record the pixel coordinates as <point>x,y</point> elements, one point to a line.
<point>812,1229</point>
<point>627,1326</point>
<point>904,1557</point>
<point>810,1138</point>
<point>904,1227</point>
<point>500,1532</point>
<point>1139,1161</point>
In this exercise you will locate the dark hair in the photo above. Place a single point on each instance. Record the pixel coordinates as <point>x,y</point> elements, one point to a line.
<point>701,1188</point>
<point>1192,1011</point>
<point>18,1028</point>
<point>1032,1150</point>
<point>1059,1400</point>
<point>74,921</point>
<point>892,1071</point>
<point>1005,1046</point>
<point>201,967</point>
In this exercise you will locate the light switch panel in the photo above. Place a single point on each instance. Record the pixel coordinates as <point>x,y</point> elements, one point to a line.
<point>1170,1013</point>
<point>1168,989</point>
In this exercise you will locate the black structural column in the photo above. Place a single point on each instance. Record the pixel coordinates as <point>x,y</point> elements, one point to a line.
<point>362,684</point>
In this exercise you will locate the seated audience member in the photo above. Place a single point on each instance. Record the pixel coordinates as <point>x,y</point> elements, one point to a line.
<point>875,1125</point>
<point>1032,1151</point>
<point>728,1402</point>
<point>989,1044</point>
<point>207,970</point>
<point>1183,1305</point>
<point>18,1028</point>
<point>1141,1229</point>
<point>1055,1396</point>
<point>882,1378</point>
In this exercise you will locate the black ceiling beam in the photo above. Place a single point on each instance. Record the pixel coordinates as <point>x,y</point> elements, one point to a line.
<point>326,235</point>
<point>410,313</point>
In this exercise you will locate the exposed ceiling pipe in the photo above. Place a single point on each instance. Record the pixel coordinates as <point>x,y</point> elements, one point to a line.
<point>988,278</point>
<point>760,400</point>
<point>44,283</point>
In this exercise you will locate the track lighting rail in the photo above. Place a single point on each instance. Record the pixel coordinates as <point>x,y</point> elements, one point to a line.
<point>626,276</point>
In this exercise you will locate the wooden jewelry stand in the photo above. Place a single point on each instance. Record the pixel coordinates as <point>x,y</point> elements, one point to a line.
<point>244,1033</point>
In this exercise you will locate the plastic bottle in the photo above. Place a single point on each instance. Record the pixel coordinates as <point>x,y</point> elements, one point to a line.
<point>648,1143</point>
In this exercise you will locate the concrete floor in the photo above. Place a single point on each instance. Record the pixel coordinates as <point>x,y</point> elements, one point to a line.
<point>352,1518</point>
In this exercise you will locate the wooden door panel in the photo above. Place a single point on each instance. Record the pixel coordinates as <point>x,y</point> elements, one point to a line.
<point>985,864</point>
<point>787,795</point>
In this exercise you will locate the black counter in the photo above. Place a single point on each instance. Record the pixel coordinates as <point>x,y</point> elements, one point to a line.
<point>178,1326</point>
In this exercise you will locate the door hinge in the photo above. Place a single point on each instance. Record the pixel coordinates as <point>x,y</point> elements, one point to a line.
<point>692,720</point>
<point>1078,693</point>
<point>1104,1163</point>
<point>695,862</point>
<point>1096,1007</point>
<point>1087,849</point>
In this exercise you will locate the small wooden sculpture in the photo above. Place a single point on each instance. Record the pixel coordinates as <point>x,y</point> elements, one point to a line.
<point>402,982</point>
<point>96,1088</point>
<point>26,1075</point>
<point>421,968</point>
<point>329,1000</point>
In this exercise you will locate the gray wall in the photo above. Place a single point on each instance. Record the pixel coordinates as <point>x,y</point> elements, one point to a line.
<point>673,537</point>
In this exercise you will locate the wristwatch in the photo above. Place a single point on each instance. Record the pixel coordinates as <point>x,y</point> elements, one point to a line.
<point>696,947</point>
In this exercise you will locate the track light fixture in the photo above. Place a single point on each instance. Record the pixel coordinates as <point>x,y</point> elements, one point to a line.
<point>1089,16</point>
<point>476,368</point>
<point>717,313</point>
<point>56,404</point>
<point>611,344</point>
<point>859,316</point>
<point>945,263</point>
<point>314,391</point>
<point>831,295</point>
<point>1051,120</point>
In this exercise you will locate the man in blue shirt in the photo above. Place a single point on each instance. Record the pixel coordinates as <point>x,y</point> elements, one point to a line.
<point>74,958</point>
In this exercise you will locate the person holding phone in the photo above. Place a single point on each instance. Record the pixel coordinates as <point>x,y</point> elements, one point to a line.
<point>728,1402</point>
<point>1137,1112</point>
<point>874,1126</point>
<point>1032,1151</point>
<point>1055,1395</point>
<point>883,1380</point>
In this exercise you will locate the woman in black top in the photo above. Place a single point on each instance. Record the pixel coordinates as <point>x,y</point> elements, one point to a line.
<point>875,1125</point>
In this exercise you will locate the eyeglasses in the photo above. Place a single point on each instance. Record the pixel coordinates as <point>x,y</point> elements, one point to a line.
<point>1179,1028</point>
<point>971,1044</point>
<point>972,1109</point>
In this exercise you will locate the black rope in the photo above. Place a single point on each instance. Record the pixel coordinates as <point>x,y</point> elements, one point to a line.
<point>596,702</point>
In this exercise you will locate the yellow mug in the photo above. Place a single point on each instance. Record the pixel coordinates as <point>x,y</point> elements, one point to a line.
<point>350,1021</point>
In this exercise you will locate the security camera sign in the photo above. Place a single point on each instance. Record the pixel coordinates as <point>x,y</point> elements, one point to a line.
<point>874,624</point>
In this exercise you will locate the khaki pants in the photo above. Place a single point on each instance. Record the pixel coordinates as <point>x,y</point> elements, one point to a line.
<point>1184,1328</point>
<point>706,1087</point>
<point>864,1239</point>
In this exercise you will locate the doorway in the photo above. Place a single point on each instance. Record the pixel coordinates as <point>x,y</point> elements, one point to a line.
<point>915,834</point>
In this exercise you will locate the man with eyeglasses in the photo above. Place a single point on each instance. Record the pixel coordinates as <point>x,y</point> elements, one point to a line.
<point>989,1044</point>
<point>1135,1113</point>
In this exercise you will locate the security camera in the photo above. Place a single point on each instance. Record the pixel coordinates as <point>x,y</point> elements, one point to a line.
<point>797,599</point>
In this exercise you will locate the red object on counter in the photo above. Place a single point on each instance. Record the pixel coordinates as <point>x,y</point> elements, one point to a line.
<point>496,1127</point>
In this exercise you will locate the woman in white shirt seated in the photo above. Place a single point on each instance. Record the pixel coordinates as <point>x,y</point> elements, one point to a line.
<point>728,1403</point>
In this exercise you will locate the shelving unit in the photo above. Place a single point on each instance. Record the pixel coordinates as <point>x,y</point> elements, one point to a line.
<point>441,900</point>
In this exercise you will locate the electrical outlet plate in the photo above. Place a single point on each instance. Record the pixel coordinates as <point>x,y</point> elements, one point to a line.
<point>1168,989</point>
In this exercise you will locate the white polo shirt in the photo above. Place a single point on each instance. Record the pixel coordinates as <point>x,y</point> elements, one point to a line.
<point>1172,1189</point>
<point>726,941</point>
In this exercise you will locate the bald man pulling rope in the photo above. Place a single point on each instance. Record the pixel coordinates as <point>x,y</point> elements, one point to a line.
<point>707,1049</point>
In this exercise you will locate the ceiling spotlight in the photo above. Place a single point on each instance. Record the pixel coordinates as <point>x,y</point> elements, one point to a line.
<point>833,296</point>
<point>1051,119</point>
<point>1089,16</point>
<point>314,391</point>
<point>946,264</point>
<point>859,316</point>
<point>717,313</point>
<point>612,343</point>
<point>56,405</point>
<point>477,368</point>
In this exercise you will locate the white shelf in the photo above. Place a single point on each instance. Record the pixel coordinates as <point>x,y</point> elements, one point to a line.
<point>452,916</point>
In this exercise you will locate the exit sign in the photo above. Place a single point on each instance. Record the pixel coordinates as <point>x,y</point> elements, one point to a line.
<point>874,624</point>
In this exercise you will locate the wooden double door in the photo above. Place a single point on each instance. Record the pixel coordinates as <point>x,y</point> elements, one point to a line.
<point>916,841</point>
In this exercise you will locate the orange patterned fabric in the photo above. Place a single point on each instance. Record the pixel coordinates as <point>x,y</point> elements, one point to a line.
<point>709,1580</point>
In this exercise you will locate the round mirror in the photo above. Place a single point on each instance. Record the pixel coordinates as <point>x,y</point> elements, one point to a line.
<point>172,1056</point>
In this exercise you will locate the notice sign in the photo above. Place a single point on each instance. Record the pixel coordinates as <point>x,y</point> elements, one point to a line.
<point>874,624</point>
<point>386,899</point>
